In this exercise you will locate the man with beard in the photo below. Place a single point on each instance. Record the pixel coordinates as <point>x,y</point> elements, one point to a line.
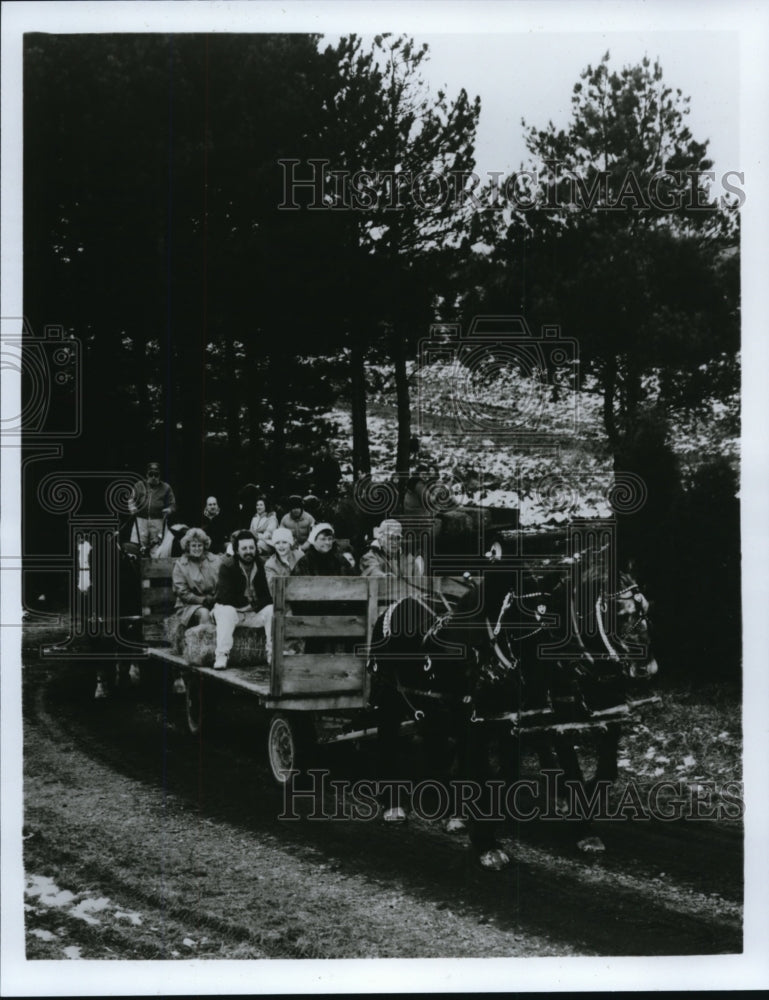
<point>243,597</point>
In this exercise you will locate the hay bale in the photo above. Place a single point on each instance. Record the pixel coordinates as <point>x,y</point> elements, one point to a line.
<point>247,647</point>
<point>173,631</point>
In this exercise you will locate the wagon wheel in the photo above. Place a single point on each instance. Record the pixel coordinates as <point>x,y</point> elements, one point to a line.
<point>289,742</point>
<point>199,704</point>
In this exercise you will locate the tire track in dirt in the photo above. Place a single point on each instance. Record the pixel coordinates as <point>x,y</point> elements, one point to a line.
<point>199,875</point>
<point>618,903</point>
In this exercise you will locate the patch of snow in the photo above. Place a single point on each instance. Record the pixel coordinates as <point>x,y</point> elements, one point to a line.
<point>135,918</point>
<point>72,951</point>
<point>84,908</point>
<point>48,892</point>
<point>44,935</point>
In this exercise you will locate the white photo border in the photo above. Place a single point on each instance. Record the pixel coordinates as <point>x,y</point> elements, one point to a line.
<point>750,970</point>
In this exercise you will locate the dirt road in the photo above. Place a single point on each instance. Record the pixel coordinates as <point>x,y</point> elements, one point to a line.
<point>142,843</point>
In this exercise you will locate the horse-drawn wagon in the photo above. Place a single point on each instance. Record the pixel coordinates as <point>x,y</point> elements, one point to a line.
<point>438,641</point>
<point>310,697</point>
<point>317,688</point>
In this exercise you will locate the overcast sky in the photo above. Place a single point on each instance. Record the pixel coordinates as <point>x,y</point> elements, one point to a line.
<point>532,75</point>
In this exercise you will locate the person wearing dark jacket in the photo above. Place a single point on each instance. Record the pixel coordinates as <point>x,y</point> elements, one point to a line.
<point>152,502</point>
<point>213,522</point>
<point>321,558</point>
<point>243,597</point>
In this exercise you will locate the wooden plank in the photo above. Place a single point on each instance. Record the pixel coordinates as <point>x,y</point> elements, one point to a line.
<point>363,734</point>
<point>151,617</point>
<point>323,673</point>
<point>157,597</point>
<point>254,680</point>
<point>278,634</point>
<point>299,626</point>
<point>372,615</point>
<point>326,588</point>
<point>317,703</point>
<point>156,653</point>
<point>155,568</point>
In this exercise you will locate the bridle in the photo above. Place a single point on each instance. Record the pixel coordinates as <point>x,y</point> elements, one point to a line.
<point>631,591</point>
<point>499,636</point>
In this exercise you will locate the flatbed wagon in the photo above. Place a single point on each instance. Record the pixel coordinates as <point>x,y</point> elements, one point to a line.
<point>308,697</point>
<point>317,689</point>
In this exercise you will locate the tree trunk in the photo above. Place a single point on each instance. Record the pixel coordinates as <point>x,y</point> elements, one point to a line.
<point>632,393</point>
<point>232,399</point>
<point>361,458</point>
<point>141,370</point>
<point>403,406</point>
<point>279,407</point>
<point>188,462</point>
<point>253,407</point>
<point>609,420</point>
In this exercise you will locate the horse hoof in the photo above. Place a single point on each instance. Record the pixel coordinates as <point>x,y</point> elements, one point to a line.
<point>494,860</point>
<point>455,825</point>
<point>591,845</point>
<point>101,691</point>
<point>134,674</point>
<point>396,815</point>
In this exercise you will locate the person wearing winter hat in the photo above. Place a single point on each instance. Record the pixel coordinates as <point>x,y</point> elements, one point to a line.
<point>152,502</point>
<point>322,557</point>
<point>285,557</point>
<point>385,555</point>
<point>298,521</point>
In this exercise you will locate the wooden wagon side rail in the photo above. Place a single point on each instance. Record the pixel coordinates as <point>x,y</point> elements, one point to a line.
<point>157,597</point>
<point>333,672</point>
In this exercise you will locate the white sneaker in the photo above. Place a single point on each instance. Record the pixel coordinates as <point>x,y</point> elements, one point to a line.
<point>220,663</point>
